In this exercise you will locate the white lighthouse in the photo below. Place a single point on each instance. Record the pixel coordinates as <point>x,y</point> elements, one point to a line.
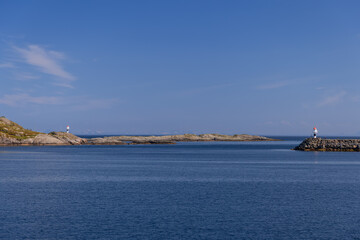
<point>67,129</point>
<point>315,132</point>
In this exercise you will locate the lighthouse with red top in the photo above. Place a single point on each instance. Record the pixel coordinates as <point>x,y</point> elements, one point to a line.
<point>315,132</point>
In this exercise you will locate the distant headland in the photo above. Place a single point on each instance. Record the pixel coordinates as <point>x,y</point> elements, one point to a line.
<point>12,134</point>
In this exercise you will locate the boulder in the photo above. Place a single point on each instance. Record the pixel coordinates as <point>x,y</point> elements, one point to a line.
<point>46,139</point>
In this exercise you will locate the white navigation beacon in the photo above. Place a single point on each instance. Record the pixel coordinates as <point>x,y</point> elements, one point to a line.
<point>315,132</point>
<point>67,128</point>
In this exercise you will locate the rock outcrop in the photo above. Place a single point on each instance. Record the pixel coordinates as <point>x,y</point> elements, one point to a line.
<point>333,145</point>
<point>68,138</point>
<point>105,141</point>
<point>43,139</point>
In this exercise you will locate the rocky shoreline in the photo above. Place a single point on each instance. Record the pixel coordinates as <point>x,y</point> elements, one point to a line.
<point>12,134</point>
<point>331,145</point>
<point>62,138</point>
<point>53,139</point>
<point>173,139</point>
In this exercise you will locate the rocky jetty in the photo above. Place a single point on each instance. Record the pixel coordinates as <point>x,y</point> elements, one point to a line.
<point>333,145</point>
<point>12,133</point>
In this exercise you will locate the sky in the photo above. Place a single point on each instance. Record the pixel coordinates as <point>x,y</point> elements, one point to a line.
<point>186,66</point>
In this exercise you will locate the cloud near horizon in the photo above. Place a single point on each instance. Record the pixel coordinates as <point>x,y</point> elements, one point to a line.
<point>285,83</point>
<point>75,103</point>
<point>46,61</point>
<point>7,65</point>
<point>23,98</point>
<point>275,85</point>
<point>332,99</point>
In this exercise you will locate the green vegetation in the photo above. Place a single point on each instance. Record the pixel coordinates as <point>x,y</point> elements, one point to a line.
<point>13,130</point>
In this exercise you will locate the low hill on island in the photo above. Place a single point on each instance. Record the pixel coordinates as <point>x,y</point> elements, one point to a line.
<point>12,130</point>
<point>172,139</point>
<point>12,133</point>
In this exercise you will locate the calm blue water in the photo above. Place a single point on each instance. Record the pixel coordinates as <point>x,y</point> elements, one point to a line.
<point>254,190</point>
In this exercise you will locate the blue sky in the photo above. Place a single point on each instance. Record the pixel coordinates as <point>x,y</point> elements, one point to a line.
<point>166,67</point>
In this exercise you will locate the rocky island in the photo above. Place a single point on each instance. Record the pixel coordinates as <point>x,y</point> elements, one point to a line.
<point>331,145</point>
<point>12,134</point>
<point>172,139</point>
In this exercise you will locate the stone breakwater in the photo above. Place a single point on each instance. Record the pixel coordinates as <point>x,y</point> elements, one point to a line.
<point>331,145</point>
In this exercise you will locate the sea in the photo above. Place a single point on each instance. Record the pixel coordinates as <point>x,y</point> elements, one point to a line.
<point>202,190</point>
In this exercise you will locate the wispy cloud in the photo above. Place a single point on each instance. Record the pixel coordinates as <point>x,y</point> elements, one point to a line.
<point>355,98</point>
<point>7,65</point>
<point>82,103</point>
<point>285,83</point>
<point>23,99</point>
<point>46,61</point>
<point>285,123</point>
<point>26,76</point>
<point>275,85</point>
<point>200,90</point>
<point>332,99</point>
<point>64,84</point>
